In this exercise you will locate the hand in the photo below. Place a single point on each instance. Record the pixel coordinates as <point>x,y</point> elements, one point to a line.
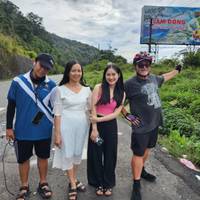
<point>133,119</point>
<point>57,140</point>
<point>179,68</point>
<point>94,119</point>
<point>94,135</point>
<point>10,134</point>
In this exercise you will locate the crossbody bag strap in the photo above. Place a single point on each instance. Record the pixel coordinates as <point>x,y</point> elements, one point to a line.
<point>31,94</point>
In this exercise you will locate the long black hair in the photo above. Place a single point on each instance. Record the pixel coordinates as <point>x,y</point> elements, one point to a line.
<point>118,90</point>
<point>68,68</point>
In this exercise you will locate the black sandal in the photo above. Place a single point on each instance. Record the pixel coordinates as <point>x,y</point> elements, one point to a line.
<point>108,192</point>
<point>99,191</point>
<point>23,193</point>
<point>72,193</point>
<point>43,190</point>
<point>80,186</point>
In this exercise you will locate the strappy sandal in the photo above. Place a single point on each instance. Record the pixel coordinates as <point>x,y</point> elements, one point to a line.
<point>23,193</point>
<point>80,186</point>
<point>43,190</point>
<point>99,191</point>
<point>108,192</point>
<point>72,193</point>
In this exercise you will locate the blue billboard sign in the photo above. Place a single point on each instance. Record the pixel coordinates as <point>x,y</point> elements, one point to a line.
<point>170,25</point>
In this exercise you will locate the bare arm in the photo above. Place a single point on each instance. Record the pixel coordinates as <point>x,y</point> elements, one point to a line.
<point>57,133</point>
<point>124,111</point>
<point>170,75</point>
<point>112,115</point>
<point>57,122</point>
<point>94,100</point>
<point>57,118</point>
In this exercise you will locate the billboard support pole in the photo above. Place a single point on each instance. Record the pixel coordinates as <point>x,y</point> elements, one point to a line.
<point>150,33</point>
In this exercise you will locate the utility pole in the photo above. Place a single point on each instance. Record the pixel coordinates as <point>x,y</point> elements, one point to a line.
<point>150,34</point>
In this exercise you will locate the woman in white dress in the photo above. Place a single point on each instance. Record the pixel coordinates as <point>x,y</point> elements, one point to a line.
<point>71,124</point>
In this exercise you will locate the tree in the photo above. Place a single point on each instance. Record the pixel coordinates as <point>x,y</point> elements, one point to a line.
<point>36,23</point>
<point>8,11</point>
<point>192,59</point>
<point>109,55</point>
<point>23,29</point>
<point>34,19</point>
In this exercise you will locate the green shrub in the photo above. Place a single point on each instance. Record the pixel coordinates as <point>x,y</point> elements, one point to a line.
<point>175,143</point>
<point>31,54</point>
<point>179,145</point>
<point>195,86</point>
<point>192,59</point>
<point>178,119</point>
<point>179,99</point>
<point>168,96</point>
<point>169,62</point>
<point>185,99</point>
<point>94,77</point>
<point>193,147</point>
<point>195,109</point>
<point>190,74</point>
<point>98,65</point>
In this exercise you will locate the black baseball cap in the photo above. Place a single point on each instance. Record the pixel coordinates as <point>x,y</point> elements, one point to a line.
<point>46,60</point>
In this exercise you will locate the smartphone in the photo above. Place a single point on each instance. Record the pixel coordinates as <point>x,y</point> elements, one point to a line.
<point>38,117</point>
<point>99,141</point>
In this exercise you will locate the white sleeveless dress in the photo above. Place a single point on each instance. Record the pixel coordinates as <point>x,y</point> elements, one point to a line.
<point>73,109</point>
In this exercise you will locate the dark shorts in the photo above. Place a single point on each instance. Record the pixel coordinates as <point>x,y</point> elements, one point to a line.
<point>141,142</point>
<point>24,149</point>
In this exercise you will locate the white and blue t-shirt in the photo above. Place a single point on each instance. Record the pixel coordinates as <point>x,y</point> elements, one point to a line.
<point>29,101</point>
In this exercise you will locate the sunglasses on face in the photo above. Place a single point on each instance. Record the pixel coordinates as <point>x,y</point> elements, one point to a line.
<point>142,65</point>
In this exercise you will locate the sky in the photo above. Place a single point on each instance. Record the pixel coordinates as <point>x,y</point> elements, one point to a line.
<point>100,23</point>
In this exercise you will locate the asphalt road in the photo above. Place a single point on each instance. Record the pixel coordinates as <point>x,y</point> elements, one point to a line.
<point>174,181</point>
<point>172,178</point>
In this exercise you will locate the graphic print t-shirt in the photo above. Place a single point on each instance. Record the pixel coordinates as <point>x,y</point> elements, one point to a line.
<point>145,102</point>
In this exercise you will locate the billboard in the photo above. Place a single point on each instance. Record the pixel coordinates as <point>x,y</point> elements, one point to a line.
<point>170,25</point>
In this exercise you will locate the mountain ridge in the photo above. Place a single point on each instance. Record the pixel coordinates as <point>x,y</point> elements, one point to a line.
<point>25,36</point>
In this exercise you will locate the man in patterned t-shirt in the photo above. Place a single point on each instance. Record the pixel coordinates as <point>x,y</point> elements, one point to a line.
<point>146,117</point>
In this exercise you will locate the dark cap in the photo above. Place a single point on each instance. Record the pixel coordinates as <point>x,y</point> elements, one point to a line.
<point>46,60</point>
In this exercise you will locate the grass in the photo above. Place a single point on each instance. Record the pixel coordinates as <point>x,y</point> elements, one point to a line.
<point>179,145</point>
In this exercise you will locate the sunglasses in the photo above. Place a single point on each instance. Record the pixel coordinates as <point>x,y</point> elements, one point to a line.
<point>142,65</point>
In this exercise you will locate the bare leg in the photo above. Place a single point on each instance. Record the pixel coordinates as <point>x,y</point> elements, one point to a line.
<point>147,176</point>
<point>71,175</point>
<point>75,168</point>
<point>146,155</point>
<point>23,172</point>
<point>79,185</point>
<point>72,187</point>
<point>137,165</point>
<point>43,167</point>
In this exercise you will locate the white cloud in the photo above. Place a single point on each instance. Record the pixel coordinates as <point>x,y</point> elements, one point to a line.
<point>103,22</point>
